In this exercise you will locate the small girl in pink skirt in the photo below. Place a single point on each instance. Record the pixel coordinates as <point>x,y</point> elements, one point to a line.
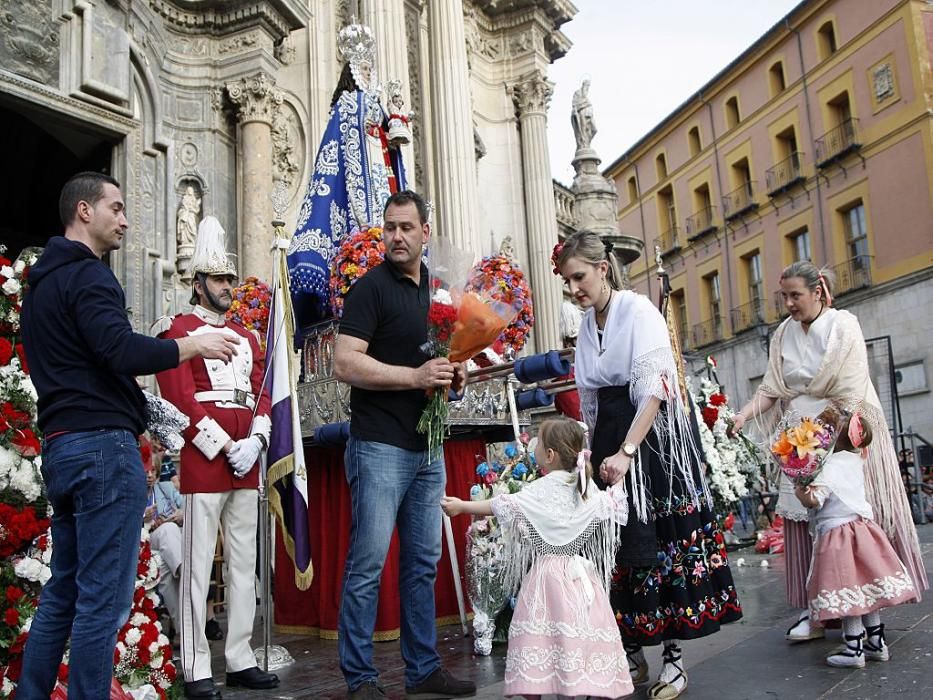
<point>854,571</point>
<point>561,543</point>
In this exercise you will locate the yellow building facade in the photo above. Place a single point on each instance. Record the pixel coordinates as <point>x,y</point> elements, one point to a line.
<point>815,143</point>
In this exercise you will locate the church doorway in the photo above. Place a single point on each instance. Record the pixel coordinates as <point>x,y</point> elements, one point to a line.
<point>42,149</point>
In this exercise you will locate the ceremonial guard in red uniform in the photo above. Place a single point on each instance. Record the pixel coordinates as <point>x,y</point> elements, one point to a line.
<point>229,412</point>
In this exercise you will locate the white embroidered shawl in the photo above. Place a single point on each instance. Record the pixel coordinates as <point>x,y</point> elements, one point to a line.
<point>635,349</point>
<point>550,517</point>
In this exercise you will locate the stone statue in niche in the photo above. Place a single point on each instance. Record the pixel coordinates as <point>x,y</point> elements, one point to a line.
<point>506,249</point>
<point>399,119</point>
<point>186,223</point>
<point>581,118</point>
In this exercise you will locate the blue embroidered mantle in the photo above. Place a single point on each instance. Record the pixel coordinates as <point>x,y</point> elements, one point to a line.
<point>347,191</point>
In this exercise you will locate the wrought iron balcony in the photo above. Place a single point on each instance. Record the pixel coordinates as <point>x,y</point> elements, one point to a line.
<point>784,175</point>
<point>837,143</point>
<point>747,315</point>
<point>710,331</point>
<point>854,273</point>
<point>669,241</point>
<point>739,201</point>
<point>701,223</point>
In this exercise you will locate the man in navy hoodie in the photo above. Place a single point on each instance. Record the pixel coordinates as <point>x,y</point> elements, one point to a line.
<point>83,357</point>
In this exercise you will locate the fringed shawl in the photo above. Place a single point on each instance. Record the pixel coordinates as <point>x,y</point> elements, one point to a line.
<point>550,517</point>
<point>843,379</point>
<point>636,350</point>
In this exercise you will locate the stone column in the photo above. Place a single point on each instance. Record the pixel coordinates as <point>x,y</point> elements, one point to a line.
<point>255,100</point>
<point>387,20</point>
<point>456,200</point>
<point>531,95</point>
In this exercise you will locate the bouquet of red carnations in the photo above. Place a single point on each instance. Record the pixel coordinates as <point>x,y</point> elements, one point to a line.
<point>460,324</point>
<point>802,446</point>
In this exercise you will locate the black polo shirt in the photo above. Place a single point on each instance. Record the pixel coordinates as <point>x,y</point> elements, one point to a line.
<point>390,312</point>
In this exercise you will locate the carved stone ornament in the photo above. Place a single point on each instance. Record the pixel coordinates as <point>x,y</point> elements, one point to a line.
<point>29,42</point>
<point>286,163</point>
<point>532,94</point>
<point>883,81</point>
<point>285,51</point>
<point>255,98</point>
<point>238,44</point>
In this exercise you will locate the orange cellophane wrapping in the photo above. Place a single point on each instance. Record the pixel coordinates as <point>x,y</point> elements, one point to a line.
<point>477,327</point>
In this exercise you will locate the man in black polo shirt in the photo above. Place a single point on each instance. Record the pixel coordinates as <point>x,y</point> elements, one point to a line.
<point>393,479</point>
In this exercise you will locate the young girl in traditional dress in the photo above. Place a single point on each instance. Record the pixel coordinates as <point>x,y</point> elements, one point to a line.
<point>855,571</point>
<point>561,537</point>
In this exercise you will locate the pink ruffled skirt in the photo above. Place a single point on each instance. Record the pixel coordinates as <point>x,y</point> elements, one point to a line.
<point>855,571</point>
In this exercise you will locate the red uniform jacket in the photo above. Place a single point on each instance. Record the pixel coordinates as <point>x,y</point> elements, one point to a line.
<point>218,397</point>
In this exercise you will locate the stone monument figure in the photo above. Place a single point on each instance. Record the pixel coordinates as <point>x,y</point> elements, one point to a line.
<point>186,226</point>
<point>186,229</point>
<point>581,117</point>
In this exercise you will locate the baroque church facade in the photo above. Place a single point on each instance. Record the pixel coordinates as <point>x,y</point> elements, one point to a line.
<point>202,107</point>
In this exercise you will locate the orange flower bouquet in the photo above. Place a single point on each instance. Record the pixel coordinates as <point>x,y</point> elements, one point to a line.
<point>460,324</point>
<point>802,446</point>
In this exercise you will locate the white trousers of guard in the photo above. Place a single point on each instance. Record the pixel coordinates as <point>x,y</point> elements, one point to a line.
<point>236,512</point>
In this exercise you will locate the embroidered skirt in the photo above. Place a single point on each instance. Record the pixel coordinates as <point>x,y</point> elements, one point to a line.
<point>855,571</point>
<point>563,637</point>
<point>672,579</point>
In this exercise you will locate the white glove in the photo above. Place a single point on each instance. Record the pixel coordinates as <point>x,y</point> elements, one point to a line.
<point>243,455</point>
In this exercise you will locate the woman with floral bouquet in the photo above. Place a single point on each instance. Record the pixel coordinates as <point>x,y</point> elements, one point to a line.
<point>818,356</point>
<point>673,580</point>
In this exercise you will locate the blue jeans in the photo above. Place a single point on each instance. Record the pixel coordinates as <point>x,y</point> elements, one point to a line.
<point>391,486</point>
<point>97,488</point>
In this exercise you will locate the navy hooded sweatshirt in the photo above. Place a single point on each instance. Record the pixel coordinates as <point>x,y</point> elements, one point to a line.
<point>81,349</point>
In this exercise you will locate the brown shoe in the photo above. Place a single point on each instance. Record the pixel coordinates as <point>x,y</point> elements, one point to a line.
<point>440,684</point>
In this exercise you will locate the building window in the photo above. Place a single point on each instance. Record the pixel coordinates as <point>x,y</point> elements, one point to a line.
<point>732,112</point>
<point>840,108</point>
<point>756,287</point>
<point>715,302</point>
<point>776,79</point>
<point>856,232</point>
<point>667,212</point>
<point>826,40</point>
<point>693,141</point>
<point>680,315</point>
<point>632,190</point>
<point>801,243</point>
<point>661,164</point>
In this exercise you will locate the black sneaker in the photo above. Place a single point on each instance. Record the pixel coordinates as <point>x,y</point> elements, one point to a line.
<point>370,690</point>
<point>440,684</point>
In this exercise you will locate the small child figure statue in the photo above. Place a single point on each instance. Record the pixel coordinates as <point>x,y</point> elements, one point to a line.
<point>399,120</point>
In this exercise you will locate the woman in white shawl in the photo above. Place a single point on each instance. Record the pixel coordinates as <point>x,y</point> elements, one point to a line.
<point>818,356</point>
<point>672,580</point>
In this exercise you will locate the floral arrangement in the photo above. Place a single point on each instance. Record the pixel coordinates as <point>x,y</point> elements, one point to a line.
<point>250,307</point>
<point>500,279</point>
<point>359,253</point>
<point>442,317</point>
<point>485,566</point>
<point>555,256</point>
<point>25,538</point>
<point>143,655</point>
<point>733,463</point>
<point>802,446</point>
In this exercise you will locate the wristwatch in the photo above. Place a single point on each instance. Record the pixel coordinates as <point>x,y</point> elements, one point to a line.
<point>629,449</point>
